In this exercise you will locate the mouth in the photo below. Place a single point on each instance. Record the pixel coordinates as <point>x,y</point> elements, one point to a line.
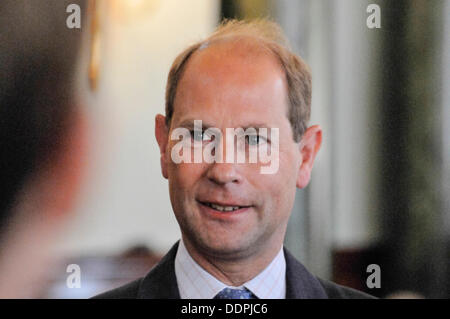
<point>224,208</point>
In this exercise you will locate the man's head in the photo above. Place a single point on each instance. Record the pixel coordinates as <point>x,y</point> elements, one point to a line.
<point>243,76</point>
<point>270,38</point>
<point>42,138</point>
<point>38,57</point>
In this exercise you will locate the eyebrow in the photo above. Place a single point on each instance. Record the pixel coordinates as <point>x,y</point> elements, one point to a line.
<point>189,124</point>
<point>257,126</point>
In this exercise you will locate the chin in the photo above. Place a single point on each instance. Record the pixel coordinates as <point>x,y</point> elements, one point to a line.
<point>225,248</point>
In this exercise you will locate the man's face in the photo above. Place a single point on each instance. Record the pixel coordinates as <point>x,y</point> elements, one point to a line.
<point>225,88</point>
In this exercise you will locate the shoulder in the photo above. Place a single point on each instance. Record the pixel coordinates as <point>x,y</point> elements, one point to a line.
<point>301,284</point>
<point>335,291</point>
<point>159,283</point>
<point>128,291</point>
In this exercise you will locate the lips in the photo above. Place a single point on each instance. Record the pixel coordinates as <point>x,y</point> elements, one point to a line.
<point>223,207</point>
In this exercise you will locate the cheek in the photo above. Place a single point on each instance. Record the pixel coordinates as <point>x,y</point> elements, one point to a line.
<point>289,165</point>
<point>183,177</point>
<point>283,183</point>
<point>283,192</point>
<point>276,191</point>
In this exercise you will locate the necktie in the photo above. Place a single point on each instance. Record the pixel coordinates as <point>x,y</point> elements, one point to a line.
<point>230,293</point>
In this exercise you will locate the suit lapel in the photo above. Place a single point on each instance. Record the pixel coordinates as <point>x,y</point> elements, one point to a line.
<point>161,282</point>
<point>300,283</point>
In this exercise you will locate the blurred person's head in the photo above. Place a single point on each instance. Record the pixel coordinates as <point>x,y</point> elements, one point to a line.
<point>41,136</point>
<point>243,76</point>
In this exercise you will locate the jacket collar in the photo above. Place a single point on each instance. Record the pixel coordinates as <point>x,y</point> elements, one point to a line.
<point>300,283</point>
<point>161,282</point>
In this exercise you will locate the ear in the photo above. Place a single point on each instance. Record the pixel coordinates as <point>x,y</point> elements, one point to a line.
<point>309,146</point>
<point>162,137</point>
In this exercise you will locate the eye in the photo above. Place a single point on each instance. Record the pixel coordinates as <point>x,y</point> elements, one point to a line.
<point>197,135</point>
<point>200,136</point>
<point>253,140</point>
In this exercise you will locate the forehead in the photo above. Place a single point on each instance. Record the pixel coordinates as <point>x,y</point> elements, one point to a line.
<point>232,78</point>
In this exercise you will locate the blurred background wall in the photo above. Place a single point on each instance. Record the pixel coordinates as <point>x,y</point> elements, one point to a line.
<point>126,200</point>
<point>380,188</point>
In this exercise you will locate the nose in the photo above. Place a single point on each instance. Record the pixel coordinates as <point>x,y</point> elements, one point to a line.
<point>223,174</point>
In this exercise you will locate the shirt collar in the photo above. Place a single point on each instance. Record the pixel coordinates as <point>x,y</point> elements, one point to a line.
<point>196,283</point>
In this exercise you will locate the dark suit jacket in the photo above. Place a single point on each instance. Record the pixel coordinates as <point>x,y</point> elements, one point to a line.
<point>161,283</point>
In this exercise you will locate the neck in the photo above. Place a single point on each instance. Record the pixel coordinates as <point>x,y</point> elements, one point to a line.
<point>234,272</point>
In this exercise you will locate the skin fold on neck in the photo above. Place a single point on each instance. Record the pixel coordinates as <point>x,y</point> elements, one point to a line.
<point>235,271</point>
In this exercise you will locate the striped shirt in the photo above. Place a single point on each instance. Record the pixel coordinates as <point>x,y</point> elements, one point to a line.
<point>196,283</point>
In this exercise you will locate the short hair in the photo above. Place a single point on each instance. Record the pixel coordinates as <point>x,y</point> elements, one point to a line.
<point>269,35</point>
<point>38,55</point>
